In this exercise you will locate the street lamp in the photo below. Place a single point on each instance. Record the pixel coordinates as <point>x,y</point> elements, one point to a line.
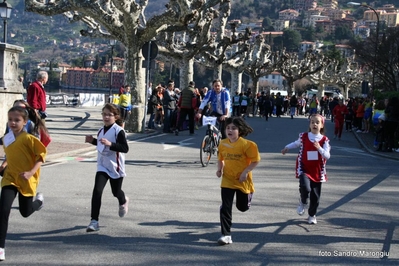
<point>5,13</point>
<point>377,32</point>
<point>112,43</point>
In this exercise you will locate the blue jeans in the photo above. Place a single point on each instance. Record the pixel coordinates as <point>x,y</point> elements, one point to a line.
<point>151,124</point>
<point>167,119</point>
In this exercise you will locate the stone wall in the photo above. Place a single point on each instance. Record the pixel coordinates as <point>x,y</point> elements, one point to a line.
<point>11,88</point>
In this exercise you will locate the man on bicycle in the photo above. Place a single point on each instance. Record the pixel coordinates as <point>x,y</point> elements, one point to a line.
<point>220,102</point>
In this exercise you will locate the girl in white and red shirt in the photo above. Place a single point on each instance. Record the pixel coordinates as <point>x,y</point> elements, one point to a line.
<point>314,151</point>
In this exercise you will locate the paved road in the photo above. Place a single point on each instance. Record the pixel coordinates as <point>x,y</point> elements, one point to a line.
<point>173,217</point>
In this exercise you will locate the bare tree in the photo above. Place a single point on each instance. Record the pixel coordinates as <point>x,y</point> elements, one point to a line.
<point>124,21</point>
<point>293,68</point>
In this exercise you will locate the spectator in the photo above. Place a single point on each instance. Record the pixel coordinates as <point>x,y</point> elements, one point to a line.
<point>187,105</point>
<point>169,106</point>
<point>313,104</point>
<point>293,105</point>
<point>125,104</point>
<point>36,97</point>
<point>368,113</point>
<point>359,116</point>
<point>153,105</point>
<point>378,123</point>
<point>391,122</point>
<point>236,104</point>
<point>279,104</point>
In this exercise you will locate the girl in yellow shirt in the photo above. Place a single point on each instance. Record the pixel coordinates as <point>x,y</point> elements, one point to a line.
<point>25,154</point>
<point>236,159</point>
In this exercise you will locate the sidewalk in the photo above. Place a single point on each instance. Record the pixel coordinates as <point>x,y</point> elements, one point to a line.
<point>68,127</point>
<point>367,141</point>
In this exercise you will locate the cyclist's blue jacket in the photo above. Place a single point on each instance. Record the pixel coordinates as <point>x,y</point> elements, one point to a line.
<point>213,98</point>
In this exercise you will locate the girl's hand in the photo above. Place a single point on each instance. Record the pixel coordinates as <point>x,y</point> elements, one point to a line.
<point>316,145</point>
<point>284,151</point>
<point>243,177</point>
<point>219,173</point>
<point>26,175</point>
<point>89,138</point>
<point>105,142</point>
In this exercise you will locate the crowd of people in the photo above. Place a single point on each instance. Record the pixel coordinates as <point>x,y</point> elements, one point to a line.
<point>359,114</point>
<point>25,149</point>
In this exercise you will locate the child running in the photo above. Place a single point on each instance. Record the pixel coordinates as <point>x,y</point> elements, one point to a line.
<point>314,151</point>
<point>111,145</point>
<point>236,159</point>
<point>25,154</point>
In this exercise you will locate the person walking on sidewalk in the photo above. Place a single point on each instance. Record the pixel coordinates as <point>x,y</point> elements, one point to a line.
<point>314,151</point>
<point>111,146</point>
<point>36,95</point>
<point>187,105</point>
<point>25,155</point>
<point>237,158</point>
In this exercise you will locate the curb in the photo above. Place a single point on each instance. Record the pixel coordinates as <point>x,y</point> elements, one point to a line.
<point>372,151</point>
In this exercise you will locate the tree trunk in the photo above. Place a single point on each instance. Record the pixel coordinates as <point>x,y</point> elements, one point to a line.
<point>186,72</point>
<point>236,81</point>
<point>255,85</point>
<point>135,75</point>
<point>217,72</point>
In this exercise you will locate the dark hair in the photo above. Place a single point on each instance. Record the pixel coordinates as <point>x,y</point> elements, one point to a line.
<point>22,111</point>
<point>243,128</point>
<point>217,80</point>
<point>115,110</point>
<point>33,116</point>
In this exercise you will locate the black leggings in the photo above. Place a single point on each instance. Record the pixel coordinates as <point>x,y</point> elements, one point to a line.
<point>101,181</point>
<point>306,187</point>
<point>26,208</point>
<point>243,202</point>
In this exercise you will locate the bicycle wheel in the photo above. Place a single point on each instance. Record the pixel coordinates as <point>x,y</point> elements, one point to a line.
<point>206,151</point>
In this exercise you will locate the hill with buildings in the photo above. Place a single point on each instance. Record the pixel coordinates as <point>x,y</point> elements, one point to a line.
<point>55,39</point>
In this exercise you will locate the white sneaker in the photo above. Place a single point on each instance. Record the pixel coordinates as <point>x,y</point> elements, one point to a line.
<point>40,197</point>
<point>312,220</point>
<point>224,240</point>
<point>93,226</point>
<point>123,209</point>
<point>301,208</point>
<point>2,254</point>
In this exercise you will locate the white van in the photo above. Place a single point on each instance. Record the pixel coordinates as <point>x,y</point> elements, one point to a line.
<point>282,92</point>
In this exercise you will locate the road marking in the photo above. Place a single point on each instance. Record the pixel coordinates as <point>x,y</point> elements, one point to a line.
<point>353,150</point>
<point>171,145</point>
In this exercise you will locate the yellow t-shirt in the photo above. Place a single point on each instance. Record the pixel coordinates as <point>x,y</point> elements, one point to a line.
<point>21,156</point>
<point>237,156</point>
<point>125,99</point>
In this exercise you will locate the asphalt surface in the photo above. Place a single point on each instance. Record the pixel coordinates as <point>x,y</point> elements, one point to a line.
<point>173,213</point>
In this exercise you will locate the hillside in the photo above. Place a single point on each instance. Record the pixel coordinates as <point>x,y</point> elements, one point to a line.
<point>52,38</point>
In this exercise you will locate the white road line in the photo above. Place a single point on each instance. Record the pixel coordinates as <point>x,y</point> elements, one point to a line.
<point>352,150</point>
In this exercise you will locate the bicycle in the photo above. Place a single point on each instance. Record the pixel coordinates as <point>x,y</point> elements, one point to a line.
<point>210,143</point>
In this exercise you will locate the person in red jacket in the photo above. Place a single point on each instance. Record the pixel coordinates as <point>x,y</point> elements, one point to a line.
<point>314,151</point>
<point>339,113</point>
<point>37,95</point>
